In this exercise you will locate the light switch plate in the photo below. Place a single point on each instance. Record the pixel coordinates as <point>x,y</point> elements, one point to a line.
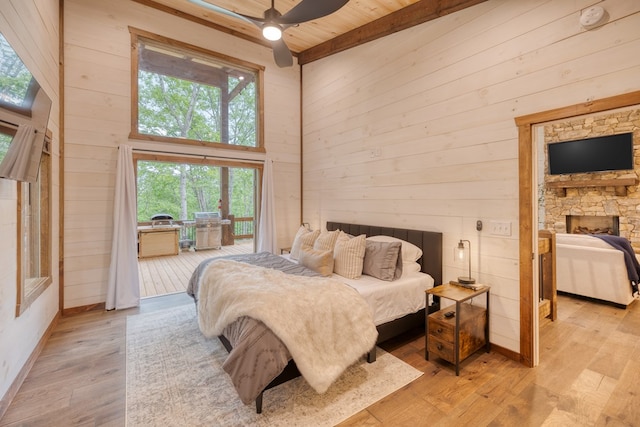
<point>500,228</point>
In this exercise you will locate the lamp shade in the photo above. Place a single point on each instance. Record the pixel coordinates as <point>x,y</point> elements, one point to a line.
<point>460,254</point>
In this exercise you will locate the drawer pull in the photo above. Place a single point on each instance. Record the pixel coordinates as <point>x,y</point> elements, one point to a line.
<point>439,346</point>
<point>439,330</point>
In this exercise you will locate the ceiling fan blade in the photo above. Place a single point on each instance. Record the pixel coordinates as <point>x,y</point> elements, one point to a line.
<point>217,9</point>
<point>308,10</point>
<point>282,54</point>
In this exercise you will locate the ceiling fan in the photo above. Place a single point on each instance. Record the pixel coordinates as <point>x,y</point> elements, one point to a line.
<point>274,23</point>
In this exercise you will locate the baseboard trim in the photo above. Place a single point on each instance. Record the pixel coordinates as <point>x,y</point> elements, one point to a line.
<point>83,309</point>
<point>22,375</point>
<point>509,354</point>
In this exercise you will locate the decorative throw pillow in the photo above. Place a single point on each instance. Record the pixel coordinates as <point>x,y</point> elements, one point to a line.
<point>409,251</point>
<point>348,256</point>
<point>382,260</point>
<point>317,260</point>
<point>304,238</point>
<point>326,240</point>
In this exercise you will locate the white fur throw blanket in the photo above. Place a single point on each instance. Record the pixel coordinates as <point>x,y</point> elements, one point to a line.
<point>325,324</point>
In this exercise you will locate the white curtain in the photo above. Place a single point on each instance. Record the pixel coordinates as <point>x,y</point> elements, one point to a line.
<point>123,289</point>
<point>267,236</point>
<point>22,160</point>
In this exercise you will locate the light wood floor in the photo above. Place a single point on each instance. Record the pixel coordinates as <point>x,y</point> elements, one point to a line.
<point>170,274</point>
<point>588,375</point>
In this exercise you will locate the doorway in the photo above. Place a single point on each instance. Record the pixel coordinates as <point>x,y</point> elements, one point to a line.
<point>527,203</point>
<point>189,210</point>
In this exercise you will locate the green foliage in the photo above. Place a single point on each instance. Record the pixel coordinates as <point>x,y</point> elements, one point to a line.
<point>242,116</point>
<point>177,108</point>
<point>159,190</point>
<point>14,76</point>
<point>5,141</point>
<point>181,108</point>
<point>243,191</point>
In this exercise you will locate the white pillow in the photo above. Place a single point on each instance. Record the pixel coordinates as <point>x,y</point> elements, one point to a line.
<point>410,268</point>
<point>317,260</point>
<point>348,255</point>
<point>326,240</point>
<point>410,252</point>
<point>304,239</point>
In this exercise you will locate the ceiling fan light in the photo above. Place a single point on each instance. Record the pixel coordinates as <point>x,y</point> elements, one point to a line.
<point>272,32</point>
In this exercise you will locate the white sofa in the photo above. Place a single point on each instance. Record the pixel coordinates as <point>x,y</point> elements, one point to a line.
<point>588,266</point>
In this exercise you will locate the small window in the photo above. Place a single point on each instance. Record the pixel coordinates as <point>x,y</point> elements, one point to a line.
<point>185,94</point>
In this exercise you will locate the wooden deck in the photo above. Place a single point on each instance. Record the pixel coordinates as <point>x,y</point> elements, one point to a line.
<point>170,274</point>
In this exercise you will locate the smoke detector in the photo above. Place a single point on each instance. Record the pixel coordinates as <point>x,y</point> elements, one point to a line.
<point>592,17</point>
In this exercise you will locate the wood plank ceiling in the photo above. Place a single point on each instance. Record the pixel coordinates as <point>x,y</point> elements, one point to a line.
<point>358,22</point>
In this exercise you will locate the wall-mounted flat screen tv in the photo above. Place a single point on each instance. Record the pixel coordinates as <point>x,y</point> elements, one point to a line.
<point>602,153</point>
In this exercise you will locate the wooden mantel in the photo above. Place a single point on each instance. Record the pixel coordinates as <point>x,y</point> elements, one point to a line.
<point>621,184</point>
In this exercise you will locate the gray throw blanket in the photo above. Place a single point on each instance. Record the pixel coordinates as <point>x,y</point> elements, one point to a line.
<point>630,260</point>
<point>262,259</point>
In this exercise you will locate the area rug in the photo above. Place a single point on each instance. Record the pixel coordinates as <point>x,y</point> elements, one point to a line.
<point>175,378</point>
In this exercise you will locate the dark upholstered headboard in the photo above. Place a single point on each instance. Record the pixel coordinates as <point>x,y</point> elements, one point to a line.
<point>429,241</point>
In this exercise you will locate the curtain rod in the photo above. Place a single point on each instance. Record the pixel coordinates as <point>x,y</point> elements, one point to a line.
<point>13,125</point>
<point>199,156</point>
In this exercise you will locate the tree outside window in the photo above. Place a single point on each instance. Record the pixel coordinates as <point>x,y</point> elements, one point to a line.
<point>185,94</point>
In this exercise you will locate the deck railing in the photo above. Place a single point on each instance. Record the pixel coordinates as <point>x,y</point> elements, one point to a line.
<point>243,228</point>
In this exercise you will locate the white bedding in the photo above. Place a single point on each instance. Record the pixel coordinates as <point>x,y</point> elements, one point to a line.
<point>390,300</point>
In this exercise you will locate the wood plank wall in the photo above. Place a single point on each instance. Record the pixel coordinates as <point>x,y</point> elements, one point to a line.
<point>416,130</point>
<point>32,28</point>
<point>97,92</point>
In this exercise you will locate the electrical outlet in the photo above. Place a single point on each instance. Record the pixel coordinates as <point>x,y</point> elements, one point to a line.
<point>500,228</point>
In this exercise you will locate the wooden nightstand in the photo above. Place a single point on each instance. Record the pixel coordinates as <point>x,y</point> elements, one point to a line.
<point>456,338</point>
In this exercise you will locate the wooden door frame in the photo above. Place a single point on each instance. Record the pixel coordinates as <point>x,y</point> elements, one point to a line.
<point>525,167</point>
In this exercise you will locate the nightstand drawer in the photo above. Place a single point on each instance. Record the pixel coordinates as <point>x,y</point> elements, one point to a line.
<point>442,349</point>
<point>440,329</point>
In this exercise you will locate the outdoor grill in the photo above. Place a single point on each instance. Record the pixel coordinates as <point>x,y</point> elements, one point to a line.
<point>208,230</point>
<point>161,219</point>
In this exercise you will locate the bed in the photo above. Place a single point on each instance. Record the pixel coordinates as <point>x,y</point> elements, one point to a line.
<point>277,359</point>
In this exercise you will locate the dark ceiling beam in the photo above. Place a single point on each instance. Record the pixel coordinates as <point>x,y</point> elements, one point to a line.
<point>407,17</point>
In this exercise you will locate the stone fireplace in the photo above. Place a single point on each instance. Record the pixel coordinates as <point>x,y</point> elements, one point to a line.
<point>592,224</point>
<point>598,202</point>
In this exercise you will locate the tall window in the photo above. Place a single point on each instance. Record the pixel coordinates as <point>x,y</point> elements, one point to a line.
<point>34,252</point>
<point>33,231</point>
<point>22,100</point>
<point>185,94</point>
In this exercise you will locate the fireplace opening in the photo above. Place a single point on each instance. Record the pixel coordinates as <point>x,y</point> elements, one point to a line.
<point>593,224</point>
